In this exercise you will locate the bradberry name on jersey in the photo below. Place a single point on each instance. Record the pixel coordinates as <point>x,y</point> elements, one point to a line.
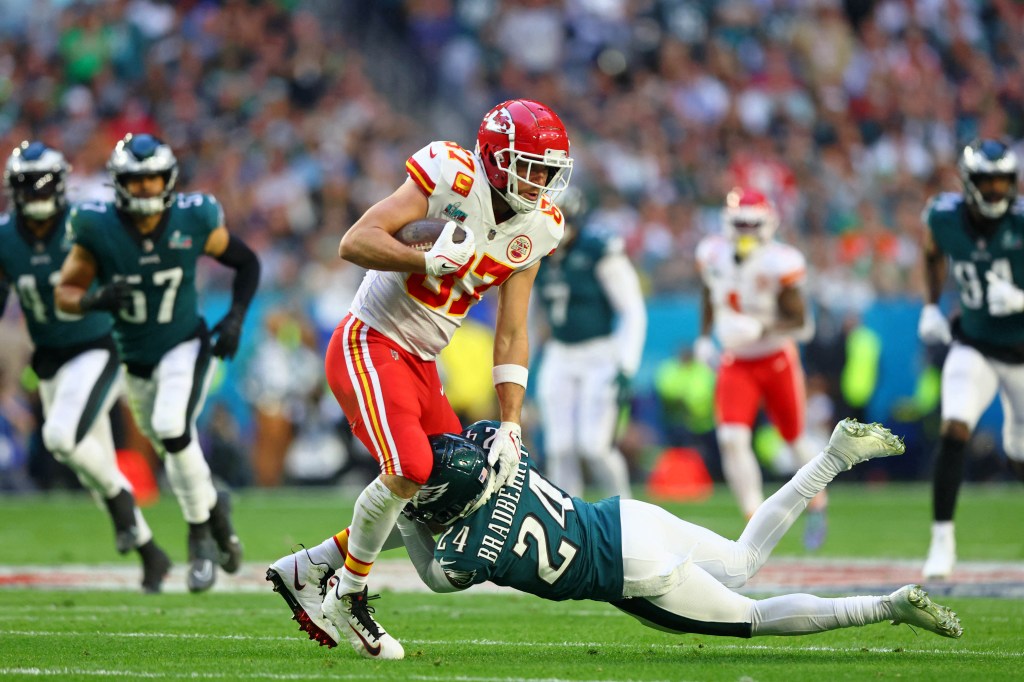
<point>504,513</point>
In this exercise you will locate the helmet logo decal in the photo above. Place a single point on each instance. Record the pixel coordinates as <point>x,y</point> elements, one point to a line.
<point>430,493</point>
<point>519,249</point>
<point>499,121</point>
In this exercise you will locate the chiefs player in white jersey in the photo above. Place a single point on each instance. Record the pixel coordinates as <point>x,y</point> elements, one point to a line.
<point>754,304</point>
<point>381,360</point>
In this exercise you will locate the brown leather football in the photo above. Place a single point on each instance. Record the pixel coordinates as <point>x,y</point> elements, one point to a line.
<point>421,234</point>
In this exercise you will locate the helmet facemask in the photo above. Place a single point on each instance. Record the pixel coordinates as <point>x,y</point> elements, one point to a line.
<point>982,160</point>
<point>520,166</point>
<point>35,180</point>
<point>139,156</point>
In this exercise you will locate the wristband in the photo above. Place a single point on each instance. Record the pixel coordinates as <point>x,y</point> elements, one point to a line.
<point>510,374</point>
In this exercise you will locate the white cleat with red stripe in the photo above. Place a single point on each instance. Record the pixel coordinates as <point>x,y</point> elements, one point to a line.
<point>354,619</point>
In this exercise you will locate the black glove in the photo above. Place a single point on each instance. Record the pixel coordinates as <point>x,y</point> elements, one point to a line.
<point>112,297</point>
<point>228,332</point>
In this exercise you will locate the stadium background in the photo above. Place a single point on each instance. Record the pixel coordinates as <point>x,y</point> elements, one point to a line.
<point>299,115</point>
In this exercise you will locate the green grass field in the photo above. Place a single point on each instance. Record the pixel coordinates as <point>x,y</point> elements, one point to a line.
<point>85,635</point>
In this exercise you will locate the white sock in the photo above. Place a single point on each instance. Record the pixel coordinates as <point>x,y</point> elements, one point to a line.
<point>800,614</point>
<point>373,519</point>
<point>778,513</point>
<point>190,479</point>
<point>327,552</point>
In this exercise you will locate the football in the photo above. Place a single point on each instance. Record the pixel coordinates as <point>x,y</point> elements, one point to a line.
<point>421,234</point>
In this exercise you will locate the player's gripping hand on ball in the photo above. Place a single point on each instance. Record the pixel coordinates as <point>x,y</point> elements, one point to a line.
<point>446,256</point>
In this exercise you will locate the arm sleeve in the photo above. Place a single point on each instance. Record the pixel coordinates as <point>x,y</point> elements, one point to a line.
<point>420,545</point>
<point>246,265</point>
<point>622,286</point>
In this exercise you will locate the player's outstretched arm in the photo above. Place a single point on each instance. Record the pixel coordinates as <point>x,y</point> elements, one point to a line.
<point>420,544</point>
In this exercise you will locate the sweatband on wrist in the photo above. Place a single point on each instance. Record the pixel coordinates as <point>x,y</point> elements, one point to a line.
<point>510,374</point>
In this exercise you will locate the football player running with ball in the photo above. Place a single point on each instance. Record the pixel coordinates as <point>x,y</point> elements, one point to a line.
<point>978,236</point>
<point>381,360</point>
<point>142,249</point>
<point>667,573</point>
<point>74,356</point>
<point>753,301</point>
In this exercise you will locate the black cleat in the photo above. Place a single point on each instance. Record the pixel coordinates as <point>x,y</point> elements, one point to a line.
<point>202,558</point>
<point>155,567</point>
<point>230,556</point>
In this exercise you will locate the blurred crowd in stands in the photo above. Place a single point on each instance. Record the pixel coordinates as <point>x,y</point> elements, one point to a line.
<point>297,115</point>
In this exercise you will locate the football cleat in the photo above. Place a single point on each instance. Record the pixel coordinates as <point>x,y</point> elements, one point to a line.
<point>230,558</point>
<point>202,559</point>
<point>911,605</point>
<point>354,617</point>
<point>155,567</point>
<point>854,442</point>
<point>302,584</point>
<point>941,554</point>
<point>122,513</point>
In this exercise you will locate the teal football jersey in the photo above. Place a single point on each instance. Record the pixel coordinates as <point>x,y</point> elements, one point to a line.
<point>33,267</point>
<point>535,538</point>
<point>575,304</point>
<point>971,256</point>
<point>159,266</point>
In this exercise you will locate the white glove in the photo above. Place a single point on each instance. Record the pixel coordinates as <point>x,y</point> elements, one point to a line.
<point>737,329</point>
<point>933,327</point>
<point>705,351</point>
<point>1003,297</point>
<point>445,256</point>
<point>504,453</point>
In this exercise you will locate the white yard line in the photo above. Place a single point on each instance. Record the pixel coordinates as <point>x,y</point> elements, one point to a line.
<point>787,574</point>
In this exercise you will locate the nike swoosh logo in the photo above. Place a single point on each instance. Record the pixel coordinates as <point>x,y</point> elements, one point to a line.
<point>432,153</point>
<point>298,585</point>
<point>372,650</point>
<point>445,562</point>
<point>204,573</point>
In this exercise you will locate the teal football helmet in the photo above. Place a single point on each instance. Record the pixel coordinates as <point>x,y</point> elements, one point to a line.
<point>459,483</point>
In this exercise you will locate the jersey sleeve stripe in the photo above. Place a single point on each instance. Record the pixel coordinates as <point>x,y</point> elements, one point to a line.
<point>420,177</point>
<point>358,360</point>
<point>791,278</point>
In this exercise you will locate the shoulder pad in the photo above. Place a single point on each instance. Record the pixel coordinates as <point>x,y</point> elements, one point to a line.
<point>442,164</point>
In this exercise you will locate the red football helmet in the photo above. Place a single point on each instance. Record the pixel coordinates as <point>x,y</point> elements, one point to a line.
<point>749,218</point>
<point>513,137</point>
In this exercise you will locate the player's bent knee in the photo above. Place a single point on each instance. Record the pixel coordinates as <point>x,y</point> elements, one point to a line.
<point>59,439</point>
<point>177,444</point>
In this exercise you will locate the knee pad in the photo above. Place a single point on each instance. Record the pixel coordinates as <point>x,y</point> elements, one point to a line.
<point>59,439</point>
<point>178,444</point>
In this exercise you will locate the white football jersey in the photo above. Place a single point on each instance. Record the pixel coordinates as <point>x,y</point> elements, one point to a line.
<point>421,312</point>
<point>750,286</point>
